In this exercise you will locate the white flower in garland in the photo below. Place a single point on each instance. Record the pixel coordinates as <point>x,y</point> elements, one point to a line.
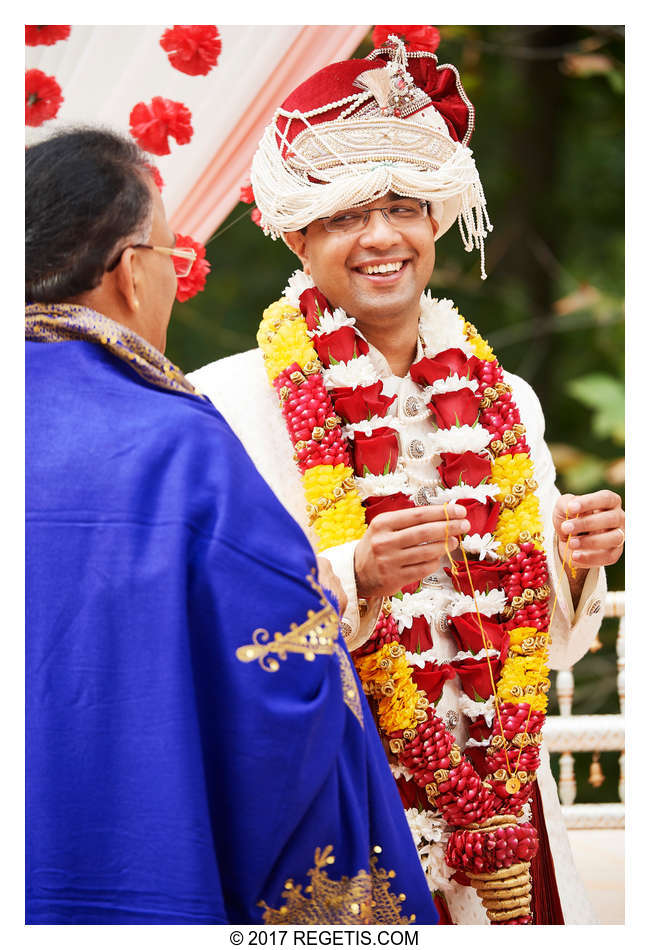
<point>482,544</point>
<point>468,655</point>
<point>379,485</point>
<point>430,835</point>
<point>399,771</point>
<point>423,659</point>
<point>441,326</point>
<point>459,439</point>
<point>426,602</point>
<point>330,322</point>
<point>480,492</point>
<point>487,604</point>
<point>298,283</point>
<point>356,372</point>
<point>368,426</point>
<point>473,709</point>
<point>452,384</point>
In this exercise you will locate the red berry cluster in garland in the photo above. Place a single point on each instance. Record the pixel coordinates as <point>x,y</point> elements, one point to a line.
<point>499,847</point>
<point>514,716</point>
<point>313,427</point>
<point>385,632</point>
<point>463,799</point>
<point>525,569</point>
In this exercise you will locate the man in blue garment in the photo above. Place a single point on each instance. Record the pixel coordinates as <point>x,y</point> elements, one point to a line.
<point>198,747</point>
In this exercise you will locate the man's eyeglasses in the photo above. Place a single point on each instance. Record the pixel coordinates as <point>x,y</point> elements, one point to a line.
<point>182,257</point>
<point>402,213</point>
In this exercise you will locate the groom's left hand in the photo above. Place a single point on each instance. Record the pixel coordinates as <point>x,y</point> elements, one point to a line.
<point>596,523</point>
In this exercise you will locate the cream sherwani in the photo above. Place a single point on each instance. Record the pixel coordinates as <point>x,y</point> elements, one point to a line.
<point>239,388</point>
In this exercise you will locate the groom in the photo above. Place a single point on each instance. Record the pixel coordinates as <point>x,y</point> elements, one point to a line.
<point>362,170</point>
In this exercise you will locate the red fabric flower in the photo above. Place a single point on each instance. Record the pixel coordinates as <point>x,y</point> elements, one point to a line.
<point>246,193</point>
<point>157,177</point>
<point>484,576</point>
<point>378,504</point>
<point>313,305</point>
<point>151,125</point>
<point>426,371</point>
<point>432,678</point>
<point>467,633</point>
<point>443,87</point>
<point>362,402</point>
<point>469,468</point>
<point>256,217</point>
<point>482,517</point>
<point>415,37</point>
<point>195,280</point>
<point>192,49</point>
<point>339,346</point>
<point>376,453</point>
<point>418,635</point>
<point>475,676</point>
<point>459,408</point>
<point>45,35</point>
<point>42,97</point>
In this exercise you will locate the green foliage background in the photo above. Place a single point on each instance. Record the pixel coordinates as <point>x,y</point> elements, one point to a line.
<point>549,144</point>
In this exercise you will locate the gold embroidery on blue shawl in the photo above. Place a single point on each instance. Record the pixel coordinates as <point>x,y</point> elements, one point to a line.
<point>366,898</point>
<point>58,322</point>
<point>316,636</point>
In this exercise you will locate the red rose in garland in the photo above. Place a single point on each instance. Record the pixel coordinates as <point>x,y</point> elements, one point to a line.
<point>45,35</point>
<point>459,408</point>
<point>151,125</point>
<point>417,637</point>
<point>467,633</point>
<point>382,503</point>
<point>193,50</point>
<point>432,678</point>
<point>353,405</point>
<point>339,346</point>
<point>376,453</point>
<point>483,576</point>
<point>453,361</point>
<point>468,467</point>
<point>313,305</point>
<point>42,97</point>
<point>415,37</point>
<point>482,517</point>
<point>195,280</point>
<point>475,676</point>
<point>479,729</point>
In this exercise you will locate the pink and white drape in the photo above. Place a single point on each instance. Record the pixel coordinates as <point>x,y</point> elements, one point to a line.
<point>104,71</point>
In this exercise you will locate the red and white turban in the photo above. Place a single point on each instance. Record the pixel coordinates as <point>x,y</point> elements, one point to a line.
<point>395,121</point>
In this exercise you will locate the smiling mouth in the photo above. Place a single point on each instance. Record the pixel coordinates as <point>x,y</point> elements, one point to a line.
<point>390,267</point>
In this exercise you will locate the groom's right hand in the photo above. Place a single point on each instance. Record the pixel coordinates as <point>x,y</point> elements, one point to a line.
<point>401,547</point>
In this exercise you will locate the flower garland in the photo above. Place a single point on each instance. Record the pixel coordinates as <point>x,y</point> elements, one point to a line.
<point>347,451</point>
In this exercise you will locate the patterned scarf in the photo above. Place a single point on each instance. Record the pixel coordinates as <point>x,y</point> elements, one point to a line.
<point>58,322</point>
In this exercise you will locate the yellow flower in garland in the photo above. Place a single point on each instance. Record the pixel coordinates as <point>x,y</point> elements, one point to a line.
<point>383,669</point>
<point>344,521</point>
<point>513,521</point>
<point>525,679</point>
<point>525,641</point>
<point>283,339</point>
<point>510,470</point>
<point>322,480</point>
<point>480,347</point>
